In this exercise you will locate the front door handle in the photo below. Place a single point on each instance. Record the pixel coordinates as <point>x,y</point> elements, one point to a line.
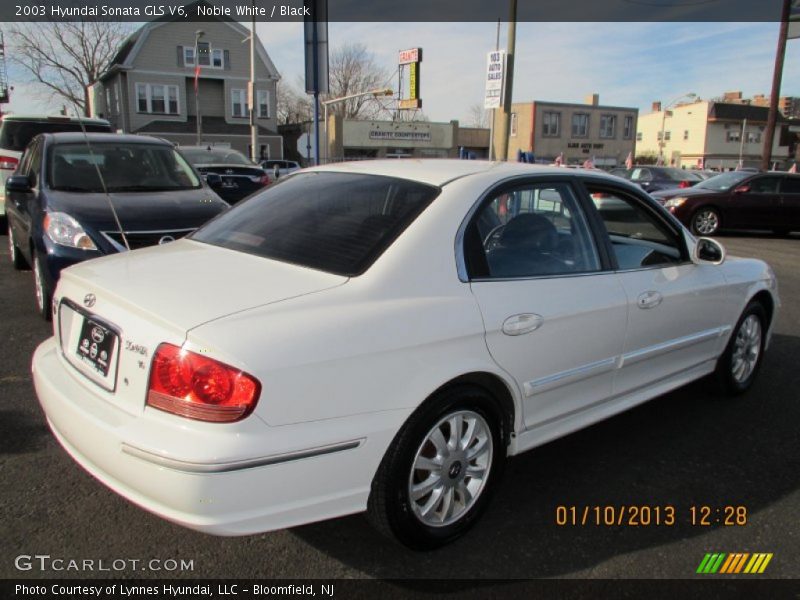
<point>522,324</point>
<point>649,299</point>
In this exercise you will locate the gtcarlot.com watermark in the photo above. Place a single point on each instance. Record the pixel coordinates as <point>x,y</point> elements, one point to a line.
<point>48,563</point>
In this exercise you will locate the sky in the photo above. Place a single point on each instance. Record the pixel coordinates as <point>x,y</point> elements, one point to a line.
<point>628,64</point>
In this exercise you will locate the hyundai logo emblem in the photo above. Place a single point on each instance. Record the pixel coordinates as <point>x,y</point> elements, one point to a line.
<point>228,171</point>
<point>89,300</point>
<point>98,335</point>
<point>166,239</point>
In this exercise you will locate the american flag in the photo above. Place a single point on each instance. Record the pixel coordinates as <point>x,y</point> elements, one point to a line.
<point>629,161</point>
<point>196,78</point>
<point>588,164</point>
<point>560,159</point>
<point>793,168</point>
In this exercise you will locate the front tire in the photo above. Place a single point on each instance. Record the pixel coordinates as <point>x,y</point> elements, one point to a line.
<point>739,364</point>
<point>440,471</point>
<point>705,221</point>
<point>44,296</point>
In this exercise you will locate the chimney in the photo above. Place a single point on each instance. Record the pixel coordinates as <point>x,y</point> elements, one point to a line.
<point>657,106</point>
<point>592,99</point>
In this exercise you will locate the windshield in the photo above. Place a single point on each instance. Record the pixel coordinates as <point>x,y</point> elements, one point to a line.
<point>335,222</point>
<point>16,135</point>
<point>681,175</point>
<point>724,181</point>
<point>224,156</point>
<point>125,167</point>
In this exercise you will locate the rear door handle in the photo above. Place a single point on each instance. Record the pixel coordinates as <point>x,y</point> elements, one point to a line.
<point>649,299</point>
<point>522,323</point>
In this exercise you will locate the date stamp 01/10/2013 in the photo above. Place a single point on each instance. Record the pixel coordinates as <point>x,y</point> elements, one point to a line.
<point>645,515</point>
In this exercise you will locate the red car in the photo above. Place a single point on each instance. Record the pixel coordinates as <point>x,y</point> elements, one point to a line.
<point>737,200</point>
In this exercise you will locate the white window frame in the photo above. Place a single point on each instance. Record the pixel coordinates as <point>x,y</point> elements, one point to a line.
<point>627,127</point>
<point>263,100</point>
<point>242,103</point>
<point>186,61</point>
<point>606,132</point>
<point>550,128</point>
<point>148,88</point>
<point>217,53</point>
<point>213,54</point>
<point>585,133</point>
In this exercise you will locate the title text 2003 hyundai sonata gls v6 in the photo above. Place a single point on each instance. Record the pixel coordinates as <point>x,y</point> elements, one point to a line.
<point>380,336</point>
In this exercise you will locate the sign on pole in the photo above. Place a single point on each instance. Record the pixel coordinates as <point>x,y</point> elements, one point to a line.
<point>495,72</point>
<point>794,20</point>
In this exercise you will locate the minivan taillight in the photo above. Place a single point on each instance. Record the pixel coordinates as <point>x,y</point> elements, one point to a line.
<point>194,386</point>
<point>8,163</point>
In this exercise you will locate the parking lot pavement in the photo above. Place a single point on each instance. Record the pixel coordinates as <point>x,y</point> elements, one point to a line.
<point>686,449</point>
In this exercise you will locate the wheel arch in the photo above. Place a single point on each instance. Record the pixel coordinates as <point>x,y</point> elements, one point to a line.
<point>768,302</point>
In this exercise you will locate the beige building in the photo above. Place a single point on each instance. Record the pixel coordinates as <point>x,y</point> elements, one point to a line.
<point>708,132</point>
<point>350,139</point>
<point>605,134</point>
<point>149,87</point>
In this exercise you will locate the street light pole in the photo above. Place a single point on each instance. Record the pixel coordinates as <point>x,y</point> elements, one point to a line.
<point>326,103</point>
<point>197,35</point>
<point>253,99</point>
<point>662,142</point>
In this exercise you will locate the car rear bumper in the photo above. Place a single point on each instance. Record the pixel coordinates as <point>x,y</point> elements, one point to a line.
<point>272,487</point>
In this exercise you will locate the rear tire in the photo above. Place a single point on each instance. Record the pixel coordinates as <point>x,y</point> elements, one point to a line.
<point>17,260</point>
<point>705,221</point>
<point>44,296</point>
<point>739,364</point>
<point>438,475</point>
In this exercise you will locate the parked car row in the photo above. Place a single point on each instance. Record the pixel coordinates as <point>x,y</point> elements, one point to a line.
<point>79,192</point>
<point>653,178</point>
<point>381,336</point>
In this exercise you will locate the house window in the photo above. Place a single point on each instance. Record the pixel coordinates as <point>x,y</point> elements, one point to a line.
<point>216,58</point>
<point>513,124</point>
<point>627,127</point>
<point>156,98</point>
<point>753,137</point>
<point>580,125</point>
<point>733,136</point>
<point>263,104</point>
<point>667,135</point>
<point>685,134</point>
<point>551,124</point>
<point>638,136</point>
<point>188,56</point>
<point>608,126</point>
<point>239,106</point>
<point>204,54</point>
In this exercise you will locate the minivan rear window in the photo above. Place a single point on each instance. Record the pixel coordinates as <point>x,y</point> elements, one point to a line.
<point>334,222</point>
<point>16,135</point>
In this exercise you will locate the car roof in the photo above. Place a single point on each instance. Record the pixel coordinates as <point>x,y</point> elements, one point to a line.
<point>71,137</point>
<point>438,171</point>
<point>54,119</point>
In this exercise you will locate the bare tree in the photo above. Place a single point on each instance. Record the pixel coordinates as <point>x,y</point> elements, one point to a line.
<point>66,57</point>
<point>478,116</point>
<point>293,106</point>
<point>353,70</point>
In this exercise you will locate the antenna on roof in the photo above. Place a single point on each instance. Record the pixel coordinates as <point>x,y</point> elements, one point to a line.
<point>100,175</point>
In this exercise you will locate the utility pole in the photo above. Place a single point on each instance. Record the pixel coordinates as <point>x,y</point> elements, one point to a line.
<point>769,134</point>
<point>197,35</point>
<point>505,114</point>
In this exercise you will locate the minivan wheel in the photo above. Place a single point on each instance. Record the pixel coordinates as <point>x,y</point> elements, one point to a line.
<point>739,364</point>
<point>705,221</point>
<point>440,471</point>
<point>17,260</point>
<point>44,297</point>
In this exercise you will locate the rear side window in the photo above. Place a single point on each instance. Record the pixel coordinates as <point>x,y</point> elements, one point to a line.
<point>16,135</point>
<point>334,222</point>
<point>791,185</point>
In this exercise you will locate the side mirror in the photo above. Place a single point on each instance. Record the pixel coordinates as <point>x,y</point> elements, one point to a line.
<point>214,181</point>
<point>708,250</point>
<point>19,183</point>
<point>742,189</point>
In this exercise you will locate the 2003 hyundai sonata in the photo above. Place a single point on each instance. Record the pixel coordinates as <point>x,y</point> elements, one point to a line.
<point>381,336</point>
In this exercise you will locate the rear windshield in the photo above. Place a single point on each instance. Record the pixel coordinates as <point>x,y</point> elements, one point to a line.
<point>724,181</point>
<point>681,175</point>
<point>16,135</point>
<point>334,222</point>
<point>223,157</point>
<point>124,167</point>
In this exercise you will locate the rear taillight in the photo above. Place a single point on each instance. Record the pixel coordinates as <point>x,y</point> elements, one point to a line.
<point>265,180</point>
<point>196,387</point>
<point>684,184</point>
<point>9,163</point>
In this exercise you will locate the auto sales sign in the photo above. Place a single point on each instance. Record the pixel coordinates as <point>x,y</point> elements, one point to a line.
<point>495,72</point>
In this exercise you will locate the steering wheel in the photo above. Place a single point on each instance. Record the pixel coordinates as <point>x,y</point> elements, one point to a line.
<point>492,240</point>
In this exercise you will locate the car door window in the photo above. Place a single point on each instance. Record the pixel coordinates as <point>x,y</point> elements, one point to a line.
<point>791,185</point>
<point>531,231</point>
<point>639,238</point>
<point>641,175</point>
<point>764,185</point>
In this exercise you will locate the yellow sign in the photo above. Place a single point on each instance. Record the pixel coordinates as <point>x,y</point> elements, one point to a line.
<point>413,81</point>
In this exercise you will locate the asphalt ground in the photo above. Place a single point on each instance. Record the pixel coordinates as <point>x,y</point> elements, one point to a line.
<point>686,449</point>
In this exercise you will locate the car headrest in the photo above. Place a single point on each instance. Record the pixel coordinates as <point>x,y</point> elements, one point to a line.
<point>530,231</point>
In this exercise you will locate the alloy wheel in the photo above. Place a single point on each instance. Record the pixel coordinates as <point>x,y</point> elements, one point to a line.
<point>450,468</point>
<point>746,349</point>
<point>706,222</point>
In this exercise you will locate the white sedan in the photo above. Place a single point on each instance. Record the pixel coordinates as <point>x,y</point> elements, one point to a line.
<point>381,336</point>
